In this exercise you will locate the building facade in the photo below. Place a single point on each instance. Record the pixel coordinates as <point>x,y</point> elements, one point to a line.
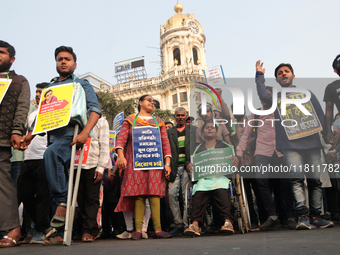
<point>182,46</point>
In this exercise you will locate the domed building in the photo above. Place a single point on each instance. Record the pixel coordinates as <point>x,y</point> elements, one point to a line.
<point>182,43</point>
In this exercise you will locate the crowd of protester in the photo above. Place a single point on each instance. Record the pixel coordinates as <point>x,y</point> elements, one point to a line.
<point>116,201</point>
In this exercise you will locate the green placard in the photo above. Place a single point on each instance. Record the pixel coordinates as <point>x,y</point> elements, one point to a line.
<point>214,162</point>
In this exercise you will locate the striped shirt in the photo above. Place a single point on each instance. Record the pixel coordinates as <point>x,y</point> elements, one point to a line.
<point>181,151</point>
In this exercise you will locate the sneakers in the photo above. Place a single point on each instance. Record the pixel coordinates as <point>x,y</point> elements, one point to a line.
<point>269,224</point>
<point>321,223</point>
<point>38,237</point>
<point>291,222</point>
<point>336,218</point>
<point>124,235</point>
<point>176,231</point>
<point>303,223</point>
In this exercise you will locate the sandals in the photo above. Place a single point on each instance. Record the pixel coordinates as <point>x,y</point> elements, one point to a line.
<point>53,242</point>
<point>10,240</point>
<point>137,236</point>
<point>192,230</point>
<point>227,228</point>
<point>87,238</point>
<point>58,221</point>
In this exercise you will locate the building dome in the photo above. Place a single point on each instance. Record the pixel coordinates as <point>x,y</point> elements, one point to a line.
<point>176,20</point>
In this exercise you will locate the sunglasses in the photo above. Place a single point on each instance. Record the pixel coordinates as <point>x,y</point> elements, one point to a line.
<point>150,100</point>
<point>180,115</point>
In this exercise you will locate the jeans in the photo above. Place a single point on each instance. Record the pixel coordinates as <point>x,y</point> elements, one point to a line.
<point>182,179</point>
<point>57,163</point>
<point>57,160</point>
<point>298,161</point>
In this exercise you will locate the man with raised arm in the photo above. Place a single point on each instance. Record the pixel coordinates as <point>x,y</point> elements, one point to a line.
<point>298,153</point>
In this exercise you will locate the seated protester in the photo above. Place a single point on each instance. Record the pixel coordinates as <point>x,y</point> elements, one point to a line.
<point>222,133</point>
<point>216,188</point>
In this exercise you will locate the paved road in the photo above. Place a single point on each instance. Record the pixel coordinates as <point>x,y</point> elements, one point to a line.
<point>279,241</point>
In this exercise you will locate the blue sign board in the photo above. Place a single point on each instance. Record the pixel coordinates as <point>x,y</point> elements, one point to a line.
<point>147,148</point>
<point>121,68</point>
<point>117,122</point>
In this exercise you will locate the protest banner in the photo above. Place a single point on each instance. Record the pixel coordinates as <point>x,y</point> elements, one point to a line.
<point>147,148</point>
<point>298,125</point>
<point>112,142</point>
<point>55,110</point>
<point>213,76</point>
<point>118,122</point>
<point>87,146</point>
<point>211,163</point>
<point>4,85</point>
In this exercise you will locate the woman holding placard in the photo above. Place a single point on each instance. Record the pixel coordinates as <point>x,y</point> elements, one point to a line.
<point>144,152</point>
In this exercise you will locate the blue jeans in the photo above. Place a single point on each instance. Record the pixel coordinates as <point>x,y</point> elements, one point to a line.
<point>57,160</point>
<point>57,163</point>
<point>297,161</point>
<point>182,179</point>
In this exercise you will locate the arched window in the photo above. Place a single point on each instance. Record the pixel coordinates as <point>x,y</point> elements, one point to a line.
<point>177,57</point>
<point>195,55</point>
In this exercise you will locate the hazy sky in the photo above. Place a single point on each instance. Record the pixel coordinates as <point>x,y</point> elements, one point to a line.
<point>303,33</point>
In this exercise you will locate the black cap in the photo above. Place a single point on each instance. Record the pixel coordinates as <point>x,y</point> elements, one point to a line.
<point>336,62</point>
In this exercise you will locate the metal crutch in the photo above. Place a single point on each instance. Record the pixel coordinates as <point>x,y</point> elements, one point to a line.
<point>71,204</point>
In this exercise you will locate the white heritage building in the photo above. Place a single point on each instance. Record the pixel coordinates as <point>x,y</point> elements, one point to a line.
<point>182,45</point>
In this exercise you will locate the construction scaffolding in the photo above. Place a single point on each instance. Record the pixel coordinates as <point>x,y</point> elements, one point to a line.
<point>130,70</point>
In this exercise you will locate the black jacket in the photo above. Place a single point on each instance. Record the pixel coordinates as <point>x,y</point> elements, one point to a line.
<point>14,108</point>
<point>190,145</point>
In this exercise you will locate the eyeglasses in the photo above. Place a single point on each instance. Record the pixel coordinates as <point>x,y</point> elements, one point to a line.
<point>180,115</point>
<point>150,100</point>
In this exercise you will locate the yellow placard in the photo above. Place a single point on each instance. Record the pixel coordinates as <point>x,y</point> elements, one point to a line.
<point>54,108</point>
<point>4,85</point>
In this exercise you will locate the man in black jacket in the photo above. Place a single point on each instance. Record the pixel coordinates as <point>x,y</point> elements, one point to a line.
<point>13,113</point>
<point>180,137</point>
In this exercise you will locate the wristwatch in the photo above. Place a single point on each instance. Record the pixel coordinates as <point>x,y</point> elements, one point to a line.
<point>167,164</point>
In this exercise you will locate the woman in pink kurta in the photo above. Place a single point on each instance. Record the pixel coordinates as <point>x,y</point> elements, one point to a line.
<point>141,184</point>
